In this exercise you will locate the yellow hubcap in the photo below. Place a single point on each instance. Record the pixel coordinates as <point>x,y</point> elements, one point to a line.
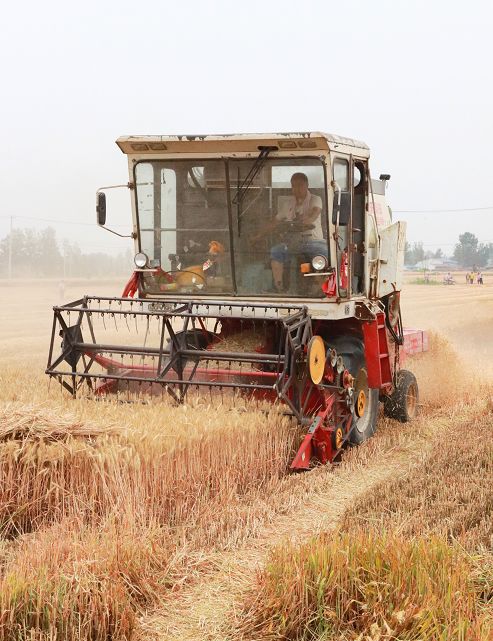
<point>361,403</point>
<point>338,438</point>
<point>411,401</point>
<point>316,359</point>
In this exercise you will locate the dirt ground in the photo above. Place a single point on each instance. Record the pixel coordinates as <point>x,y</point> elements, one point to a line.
<point>26,313</point>
<point>461,313</point>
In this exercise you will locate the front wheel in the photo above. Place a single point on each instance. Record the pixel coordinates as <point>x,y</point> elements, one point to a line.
<point>402,404</point>
<point>365,409</point>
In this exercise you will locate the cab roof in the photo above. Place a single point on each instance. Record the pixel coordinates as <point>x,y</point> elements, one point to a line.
<point>290,141</point>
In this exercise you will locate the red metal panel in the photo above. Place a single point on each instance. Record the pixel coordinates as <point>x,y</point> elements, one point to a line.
<point>426,345</point>
<point>383,345</point>
<point>372,354</point>
<point>377,352</point>
<point>415,341</point>
<point>317,440</point>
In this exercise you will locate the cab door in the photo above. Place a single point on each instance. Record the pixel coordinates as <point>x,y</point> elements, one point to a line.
<point>349,214</point>
<point>358,244</point>
<point>341,221</point>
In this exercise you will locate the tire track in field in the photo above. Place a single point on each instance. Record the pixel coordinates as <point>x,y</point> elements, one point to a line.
<point>206,610</point>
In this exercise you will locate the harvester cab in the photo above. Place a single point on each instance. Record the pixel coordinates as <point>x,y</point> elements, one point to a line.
<point>265,265</point>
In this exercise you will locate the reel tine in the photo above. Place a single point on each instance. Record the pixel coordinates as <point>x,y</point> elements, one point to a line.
<point>147,329</point>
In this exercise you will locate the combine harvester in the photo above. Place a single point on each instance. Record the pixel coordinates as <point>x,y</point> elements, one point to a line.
<point>266,265</point>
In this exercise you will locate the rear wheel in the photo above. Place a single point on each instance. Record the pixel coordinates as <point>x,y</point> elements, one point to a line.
<point>402,404</point>
<point>365,409</point>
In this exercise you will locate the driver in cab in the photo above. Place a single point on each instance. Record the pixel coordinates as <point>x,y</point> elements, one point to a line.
<point>300,218</point>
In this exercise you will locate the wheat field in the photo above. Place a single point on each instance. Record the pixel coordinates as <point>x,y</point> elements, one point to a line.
<point>146,520</point>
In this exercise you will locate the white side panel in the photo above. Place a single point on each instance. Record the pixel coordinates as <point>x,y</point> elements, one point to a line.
<point>326,310</point>
<point>391,259</point>
<point>380,208</point>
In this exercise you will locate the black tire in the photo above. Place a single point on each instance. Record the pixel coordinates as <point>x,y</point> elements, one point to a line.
<point>365,409</point>
<point>402,404</point>
<point>352,350</point>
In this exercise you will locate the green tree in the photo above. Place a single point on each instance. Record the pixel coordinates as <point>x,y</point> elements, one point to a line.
<point>466,250</point>
<point>485,252</point>
<point>48,256</point>
<point>414,254</point>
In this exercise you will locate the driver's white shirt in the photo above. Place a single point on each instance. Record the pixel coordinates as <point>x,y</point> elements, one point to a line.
<point>293,210</point>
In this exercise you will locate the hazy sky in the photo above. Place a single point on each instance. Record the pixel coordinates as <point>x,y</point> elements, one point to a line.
<point>413,79</point>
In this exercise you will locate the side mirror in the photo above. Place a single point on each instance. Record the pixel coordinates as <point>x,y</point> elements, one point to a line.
<point>101,208</point>
<point>344,211</point>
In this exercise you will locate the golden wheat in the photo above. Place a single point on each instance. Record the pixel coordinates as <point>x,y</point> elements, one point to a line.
<point>369,586</point>
<point>412,559</point>
<point>110,506</point>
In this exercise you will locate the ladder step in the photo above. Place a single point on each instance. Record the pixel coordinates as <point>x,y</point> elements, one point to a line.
<point>380,326</point>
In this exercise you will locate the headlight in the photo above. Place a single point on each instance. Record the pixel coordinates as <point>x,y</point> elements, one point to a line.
<point>319,263</point>
<point>140,260</point>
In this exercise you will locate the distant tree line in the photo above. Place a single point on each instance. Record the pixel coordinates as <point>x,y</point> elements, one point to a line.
<point>39,254</point>
<point>415,253</point>
<point>468,252</point>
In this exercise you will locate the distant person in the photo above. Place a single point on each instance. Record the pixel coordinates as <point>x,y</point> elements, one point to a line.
<point>480,278</point>
<point>467,278</point>
<point>473,277</point>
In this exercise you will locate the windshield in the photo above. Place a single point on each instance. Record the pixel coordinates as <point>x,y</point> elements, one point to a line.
<point>217,227</point>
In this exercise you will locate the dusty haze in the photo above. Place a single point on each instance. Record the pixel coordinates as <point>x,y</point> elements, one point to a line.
<point>412,79</point>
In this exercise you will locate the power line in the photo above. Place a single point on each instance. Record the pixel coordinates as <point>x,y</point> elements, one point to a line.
<point>439,244</point>
<point>439,211</point>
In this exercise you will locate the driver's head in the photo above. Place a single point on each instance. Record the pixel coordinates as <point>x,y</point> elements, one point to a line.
<point>299,185</point>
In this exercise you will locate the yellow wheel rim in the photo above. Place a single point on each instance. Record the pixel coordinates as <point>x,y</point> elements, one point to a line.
<point>338,438</point>
<point>361,403</point>
<point>412,401</point>
<point>316,359</point>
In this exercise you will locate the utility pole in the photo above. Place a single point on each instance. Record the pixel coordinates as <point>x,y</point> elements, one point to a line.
<point>10,248</point>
